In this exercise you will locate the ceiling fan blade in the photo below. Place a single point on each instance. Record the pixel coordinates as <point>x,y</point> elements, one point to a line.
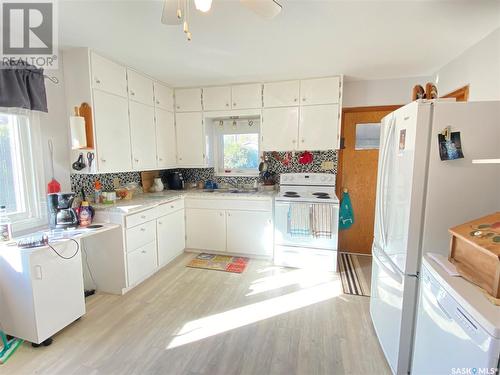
<point>265,8</point>
<point>169,14</point>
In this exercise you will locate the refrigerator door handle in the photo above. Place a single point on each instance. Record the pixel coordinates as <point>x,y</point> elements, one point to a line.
<point>383,160</point>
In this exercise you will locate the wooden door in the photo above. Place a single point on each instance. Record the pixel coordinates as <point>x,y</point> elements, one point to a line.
<point>358,174</point>
<point>319,127</point>
<point>280,127</point>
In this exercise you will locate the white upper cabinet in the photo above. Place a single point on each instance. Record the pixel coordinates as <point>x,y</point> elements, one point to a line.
<point>108,76</point>
<point>140,88</point>
<point>281,94</point>
<point>248,96</point>
<point>165,139</point>
<point>190,139</point>
<point>279,129</point>
<point>320,91</point>
<point>217,98</point>
<point>112,132</point>
<point>164,97</point>
<point>319,127</point>
<point>188,100</point>
<point>142,136</point>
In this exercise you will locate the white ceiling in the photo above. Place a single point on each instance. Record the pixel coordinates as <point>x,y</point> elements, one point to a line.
<point>361,39</point>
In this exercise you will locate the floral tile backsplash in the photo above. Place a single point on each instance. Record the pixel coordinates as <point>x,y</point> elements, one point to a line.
<point>193,175</point>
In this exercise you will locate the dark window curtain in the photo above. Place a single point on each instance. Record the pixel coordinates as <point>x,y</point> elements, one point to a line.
<point>22,86</point>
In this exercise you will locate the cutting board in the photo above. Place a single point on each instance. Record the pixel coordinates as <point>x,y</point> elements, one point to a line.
<point>147,179</point>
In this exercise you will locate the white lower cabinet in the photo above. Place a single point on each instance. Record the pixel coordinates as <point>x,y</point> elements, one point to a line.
<point>205,229</point>
<point>233,226</point>
<point>171,236</point>
<point>249,232</point>
<point>141,263</point>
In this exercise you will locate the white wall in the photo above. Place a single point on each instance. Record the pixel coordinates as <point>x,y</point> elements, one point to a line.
<point>54,126</point>
<point>479,67</point>
<point>380,92</point>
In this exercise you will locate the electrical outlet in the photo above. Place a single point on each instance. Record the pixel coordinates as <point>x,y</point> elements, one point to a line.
<point>327,165</point>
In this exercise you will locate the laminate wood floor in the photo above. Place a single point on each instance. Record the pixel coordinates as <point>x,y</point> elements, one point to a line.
<point>268,320</point>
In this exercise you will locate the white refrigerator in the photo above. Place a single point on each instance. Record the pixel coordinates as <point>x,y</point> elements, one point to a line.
<point>420,196</point>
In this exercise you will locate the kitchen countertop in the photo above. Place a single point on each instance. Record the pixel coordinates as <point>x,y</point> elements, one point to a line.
<point>148,200</point>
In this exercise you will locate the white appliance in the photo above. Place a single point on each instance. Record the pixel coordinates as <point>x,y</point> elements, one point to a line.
<point>457,328</point>
<point>418,198</point>
<point>308,190</point>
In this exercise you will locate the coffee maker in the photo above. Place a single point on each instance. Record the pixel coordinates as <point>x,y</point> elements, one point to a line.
<point>61,214</point>
<point>175,181</point>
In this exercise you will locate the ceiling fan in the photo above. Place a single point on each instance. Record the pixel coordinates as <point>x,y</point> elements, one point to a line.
<point>176,12</point>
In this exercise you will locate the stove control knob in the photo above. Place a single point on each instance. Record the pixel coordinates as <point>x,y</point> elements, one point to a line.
<point>323,179</point>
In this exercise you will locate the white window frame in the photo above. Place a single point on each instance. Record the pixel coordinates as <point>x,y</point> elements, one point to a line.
<point>219,147</point>
<point>29,172</point>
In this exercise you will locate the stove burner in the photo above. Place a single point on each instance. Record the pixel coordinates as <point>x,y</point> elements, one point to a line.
<point>320,194</point>
<point>291,193</point>
<point>323,196</point>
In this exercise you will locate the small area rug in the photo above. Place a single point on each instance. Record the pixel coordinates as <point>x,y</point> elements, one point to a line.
<point>219,263</point>
<point>353,279</point>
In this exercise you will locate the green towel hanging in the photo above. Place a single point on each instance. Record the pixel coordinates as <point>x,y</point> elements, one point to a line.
<point>346,215</point>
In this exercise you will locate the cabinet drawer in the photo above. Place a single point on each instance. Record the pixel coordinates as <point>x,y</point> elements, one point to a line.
<point>141,263</point>
<point>169,207</point>
<point>141,235</point>
<point>141,217</point>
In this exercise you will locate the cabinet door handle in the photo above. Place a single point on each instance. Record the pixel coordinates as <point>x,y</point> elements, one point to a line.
<point>132,93</point>
<point>136,160</point>
<point>143,229</point>
<point>143,216</point>
<point>103,160</point>
<point>303,99</point>
<point>221,214</point>
<point>157,102</point>
<point>234,104</point>
<point>294,141</point>
<point>295,100</point>
<point>228,214</point>
<point>97,80</point>
<point>178,107</point>
<point>172,206</point>
<point>302,140</point>
<point>160,222</point>
<point>38,272</point>
<point>160,159</point>
<point>143,251</point>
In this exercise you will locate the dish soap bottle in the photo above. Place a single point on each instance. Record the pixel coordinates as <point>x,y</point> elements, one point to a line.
<point>5,225</point>
<point>85,214</point>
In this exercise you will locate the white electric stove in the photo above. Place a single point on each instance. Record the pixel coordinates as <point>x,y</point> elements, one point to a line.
<point>306,194</point>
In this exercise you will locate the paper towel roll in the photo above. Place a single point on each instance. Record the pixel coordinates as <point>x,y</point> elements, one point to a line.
<point>78,134</point>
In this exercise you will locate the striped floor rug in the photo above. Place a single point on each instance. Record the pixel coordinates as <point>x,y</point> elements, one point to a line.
<point>352,276</point>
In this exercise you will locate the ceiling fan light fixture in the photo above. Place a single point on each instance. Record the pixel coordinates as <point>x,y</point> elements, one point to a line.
<point>203,5</point>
